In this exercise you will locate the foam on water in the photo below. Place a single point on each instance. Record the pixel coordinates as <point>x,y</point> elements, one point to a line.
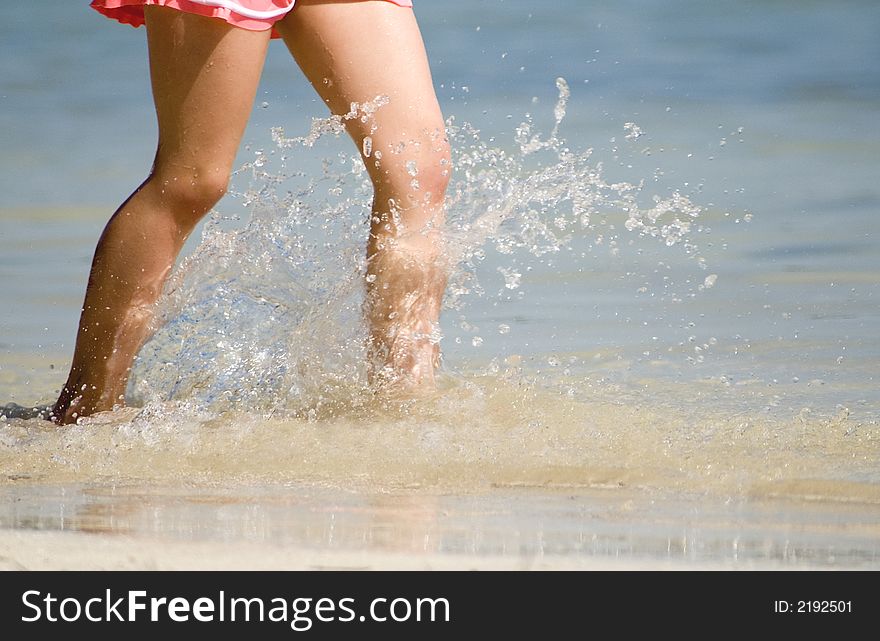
<point>256,371</point>
<point>489,431</point>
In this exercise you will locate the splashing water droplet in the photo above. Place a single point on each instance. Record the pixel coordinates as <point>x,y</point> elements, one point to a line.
<point>275,308</point>
<point>559,109</point>
<point>367,146</point>
<point>633,131</point>
<point>511,277</point>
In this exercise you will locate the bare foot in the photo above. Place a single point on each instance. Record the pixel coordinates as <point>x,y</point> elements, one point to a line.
<point>406,358</point>
<point>405,284</point>
<point>79,400</point>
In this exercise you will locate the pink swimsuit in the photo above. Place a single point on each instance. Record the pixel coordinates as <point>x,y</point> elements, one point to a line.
<point>256,15</point>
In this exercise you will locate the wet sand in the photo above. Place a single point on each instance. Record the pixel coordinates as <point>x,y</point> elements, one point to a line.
<point>300,527</point>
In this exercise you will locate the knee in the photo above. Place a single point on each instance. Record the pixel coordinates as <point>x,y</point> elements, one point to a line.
<point>417,175</point>
<point>189,195</point>
<point>435,172</point>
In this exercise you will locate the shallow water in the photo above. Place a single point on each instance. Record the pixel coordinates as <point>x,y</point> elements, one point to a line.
<point>730,374</point>
<point>307,527</point>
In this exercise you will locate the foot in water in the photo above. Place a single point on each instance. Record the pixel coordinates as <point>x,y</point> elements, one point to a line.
<point>405,284</point>
<point>405,358</point>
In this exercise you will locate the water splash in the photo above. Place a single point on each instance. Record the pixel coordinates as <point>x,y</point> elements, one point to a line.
<point>256,372</point>
<point>267,318</point>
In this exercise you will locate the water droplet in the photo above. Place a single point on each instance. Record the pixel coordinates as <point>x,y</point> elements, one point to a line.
<point>559,109</point>
<point>367,146</point>
<point>633,131</point>
<point>511,277</point>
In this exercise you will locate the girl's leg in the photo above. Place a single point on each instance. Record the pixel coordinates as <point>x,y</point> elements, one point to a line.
<point>204,75</point>
<point>356,52</point>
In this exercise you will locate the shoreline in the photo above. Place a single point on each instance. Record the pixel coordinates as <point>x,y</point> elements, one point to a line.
<point>76,551</point>
<point>306,527</point>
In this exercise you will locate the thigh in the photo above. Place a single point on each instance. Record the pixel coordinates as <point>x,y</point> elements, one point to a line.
<point>356,51</point>
<point>204,75</point>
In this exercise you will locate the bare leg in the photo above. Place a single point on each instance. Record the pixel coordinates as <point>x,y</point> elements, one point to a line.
<point>205,75</point>
<point>356,52</point>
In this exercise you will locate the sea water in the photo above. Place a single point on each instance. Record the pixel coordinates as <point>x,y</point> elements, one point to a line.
<point>664,289</point>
